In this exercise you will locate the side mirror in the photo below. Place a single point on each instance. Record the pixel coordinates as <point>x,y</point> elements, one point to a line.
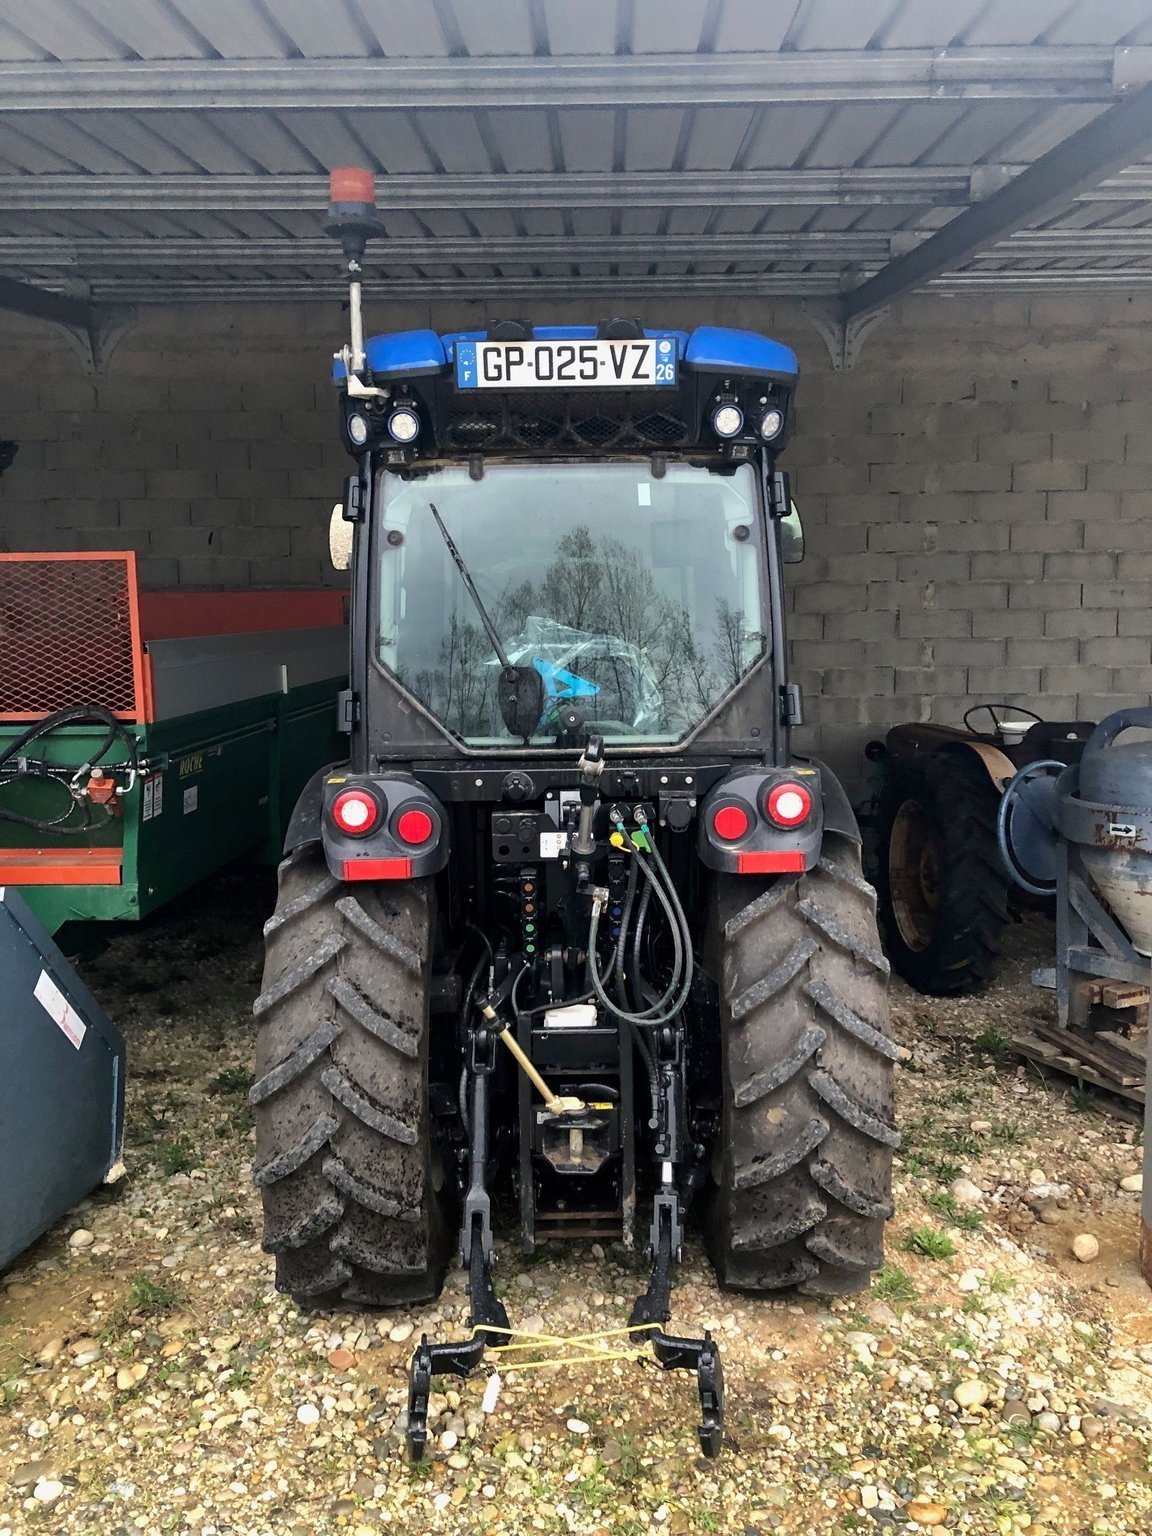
<point>791,536</point>
<point>340,539</point>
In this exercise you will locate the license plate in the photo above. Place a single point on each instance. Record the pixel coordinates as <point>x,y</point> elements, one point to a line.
<point>647,364</point>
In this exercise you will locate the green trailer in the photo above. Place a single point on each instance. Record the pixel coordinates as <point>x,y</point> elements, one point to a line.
<point>148,739</point>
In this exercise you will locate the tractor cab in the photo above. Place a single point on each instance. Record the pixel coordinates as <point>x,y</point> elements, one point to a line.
<point>582,503</point>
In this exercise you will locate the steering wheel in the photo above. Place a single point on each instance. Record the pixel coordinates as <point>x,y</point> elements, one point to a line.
<point>992,709</point>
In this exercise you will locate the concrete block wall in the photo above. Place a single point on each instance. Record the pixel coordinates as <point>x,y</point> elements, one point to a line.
<point>977,498</point>
<point>977,491</point>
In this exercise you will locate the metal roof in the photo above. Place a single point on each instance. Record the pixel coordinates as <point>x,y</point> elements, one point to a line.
<point>179,149</point>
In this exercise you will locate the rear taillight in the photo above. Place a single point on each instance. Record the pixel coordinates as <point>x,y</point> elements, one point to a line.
<point>414,827</point>
<point>788,804</point>
<point>730,823</point>
<point>377,869</point>
<point>782,861</point>
<point>356,812</point>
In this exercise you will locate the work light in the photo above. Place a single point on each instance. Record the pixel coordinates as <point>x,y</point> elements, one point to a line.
<point>358,429</point>
<point>404,425</point>
<point>771,423</point>
<point>727,420</point>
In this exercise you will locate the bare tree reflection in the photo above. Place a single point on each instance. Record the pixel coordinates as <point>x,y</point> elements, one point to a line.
<point>600,587</point>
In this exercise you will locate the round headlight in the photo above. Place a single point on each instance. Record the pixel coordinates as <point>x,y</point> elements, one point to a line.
<point>770,424</point>
<point>404,425</point>
<point>727,420</point>
<point>358,429</point>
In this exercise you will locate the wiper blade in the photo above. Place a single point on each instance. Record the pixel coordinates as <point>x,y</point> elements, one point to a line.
<point>520,691</point>
<point>458,560</point>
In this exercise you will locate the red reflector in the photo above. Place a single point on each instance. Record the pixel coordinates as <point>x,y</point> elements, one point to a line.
<point>414,827</point>
<point>730,823</point>
<point>787,861</point>
<point>355,811</point>
<point>351,184</point>
<point>377,869</point>
<point>789,804</point>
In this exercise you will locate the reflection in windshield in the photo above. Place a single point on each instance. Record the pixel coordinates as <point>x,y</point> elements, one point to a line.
<point>637,600</point>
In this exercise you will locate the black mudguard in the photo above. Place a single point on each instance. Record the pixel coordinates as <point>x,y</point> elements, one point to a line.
<point>838,813</point>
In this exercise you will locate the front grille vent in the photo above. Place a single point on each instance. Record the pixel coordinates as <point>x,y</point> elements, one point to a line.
<point>589,422</point>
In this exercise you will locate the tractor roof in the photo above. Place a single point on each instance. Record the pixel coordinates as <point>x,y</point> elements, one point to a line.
<point>707,349</point>
<point>648,391</point>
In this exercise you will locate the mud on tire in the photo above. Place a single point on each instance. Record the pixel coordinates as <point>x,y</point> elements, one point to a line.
<point>802,1174</point>
<point>344,1158</point>
<point>943,891</point>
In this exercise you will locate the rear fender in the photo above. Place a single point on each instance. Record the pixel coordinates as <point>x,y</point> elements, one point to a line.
<point>996,764</point>
<point>838,814</point>
<point>304,824</point>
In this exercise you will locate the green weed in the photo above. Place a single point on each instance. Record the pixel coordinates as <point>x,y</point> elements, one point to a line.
<point>147,1296</point>
<point>943,1201</point>
<point>893,1284</point>
<point>174,1157</point>
<point>1005,1135</point>
<point>232,1080</point>
<point>994,1044</point>
<point>930,1243</point>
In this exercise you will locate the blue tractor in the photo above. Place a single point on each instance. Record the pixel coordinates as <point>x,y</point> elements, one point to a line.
<point>572,927</point>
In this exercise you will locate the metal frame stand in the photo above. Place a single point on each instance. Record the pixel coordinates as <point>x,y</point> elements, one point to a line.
<point>1081,918</point>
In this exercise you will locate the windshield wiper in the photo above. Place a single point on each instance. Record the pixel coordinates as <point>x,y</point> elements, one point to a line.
<point>458,561</point>
<point>520,693</point>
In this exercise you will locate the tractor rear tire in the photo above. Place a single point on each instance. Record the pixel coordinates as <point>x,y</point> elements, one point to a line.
<point>802,1172</point>
<point>943,890</point>
<point>345,1158</point>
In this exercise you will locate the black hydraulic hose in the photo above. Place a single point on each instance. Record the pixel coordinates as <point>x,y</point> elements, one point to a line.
<point>638,942</point>
<point>648,1020</point>
<point>75,714</point>
<point>686,927</point>
<point>647,1060</point>
<point>622,937</point>
<point>678,932</point>
<point>469,995</point>
<point>682,963</point>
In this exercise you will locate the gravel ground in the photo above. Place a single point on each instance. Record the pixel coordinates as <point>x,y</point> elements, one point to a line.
<point>153,1381</point>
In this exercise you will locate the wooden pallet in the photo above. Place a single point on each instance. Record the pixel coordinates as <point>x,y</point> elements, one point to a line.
<point>1123,994</point>
<point>1107,1060</point>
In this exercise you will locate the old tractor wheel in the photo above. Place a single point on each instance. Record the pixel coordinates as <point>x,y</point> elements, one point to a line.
<point>943,890</point>
<point>802,1171</point>
<point>345,1159</point>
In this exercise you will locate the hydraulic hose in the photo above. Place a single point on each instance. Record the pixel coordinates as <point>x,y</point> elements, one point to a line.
<point>636,1035</point>
<point>76,714</point>
<point>659,1013</point>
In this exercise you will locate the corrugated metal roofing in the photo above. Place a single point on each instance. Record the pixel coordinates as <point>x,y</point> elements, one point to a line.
<point>175,149</point>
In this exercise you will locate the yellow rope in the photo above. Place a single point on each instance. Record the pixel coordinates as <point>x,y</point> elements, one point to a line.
<point>535,1340</point>
<point>597,1358</point>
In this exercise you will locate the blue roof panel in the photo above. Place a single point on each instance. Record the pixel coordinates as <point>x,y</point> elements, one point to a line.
<point>716,349</point>
<point>405,352</point>
<point>710,348</point>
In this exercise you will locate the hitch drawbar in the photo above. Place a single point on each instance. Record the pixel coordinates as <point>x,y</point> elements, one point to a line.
<point>491,1330</point>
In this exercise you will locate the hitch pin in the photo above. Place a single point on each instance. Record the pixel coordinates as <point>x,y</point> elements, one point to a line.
<point>556,1104</point>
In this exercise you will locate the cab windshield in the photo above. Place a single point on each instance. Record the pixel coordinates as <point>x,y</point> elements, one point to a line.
<point>636,599</point>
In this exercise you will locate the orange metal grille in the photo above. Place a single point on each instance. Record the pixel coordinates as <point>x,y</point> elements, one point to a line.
<point>69,634</point>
